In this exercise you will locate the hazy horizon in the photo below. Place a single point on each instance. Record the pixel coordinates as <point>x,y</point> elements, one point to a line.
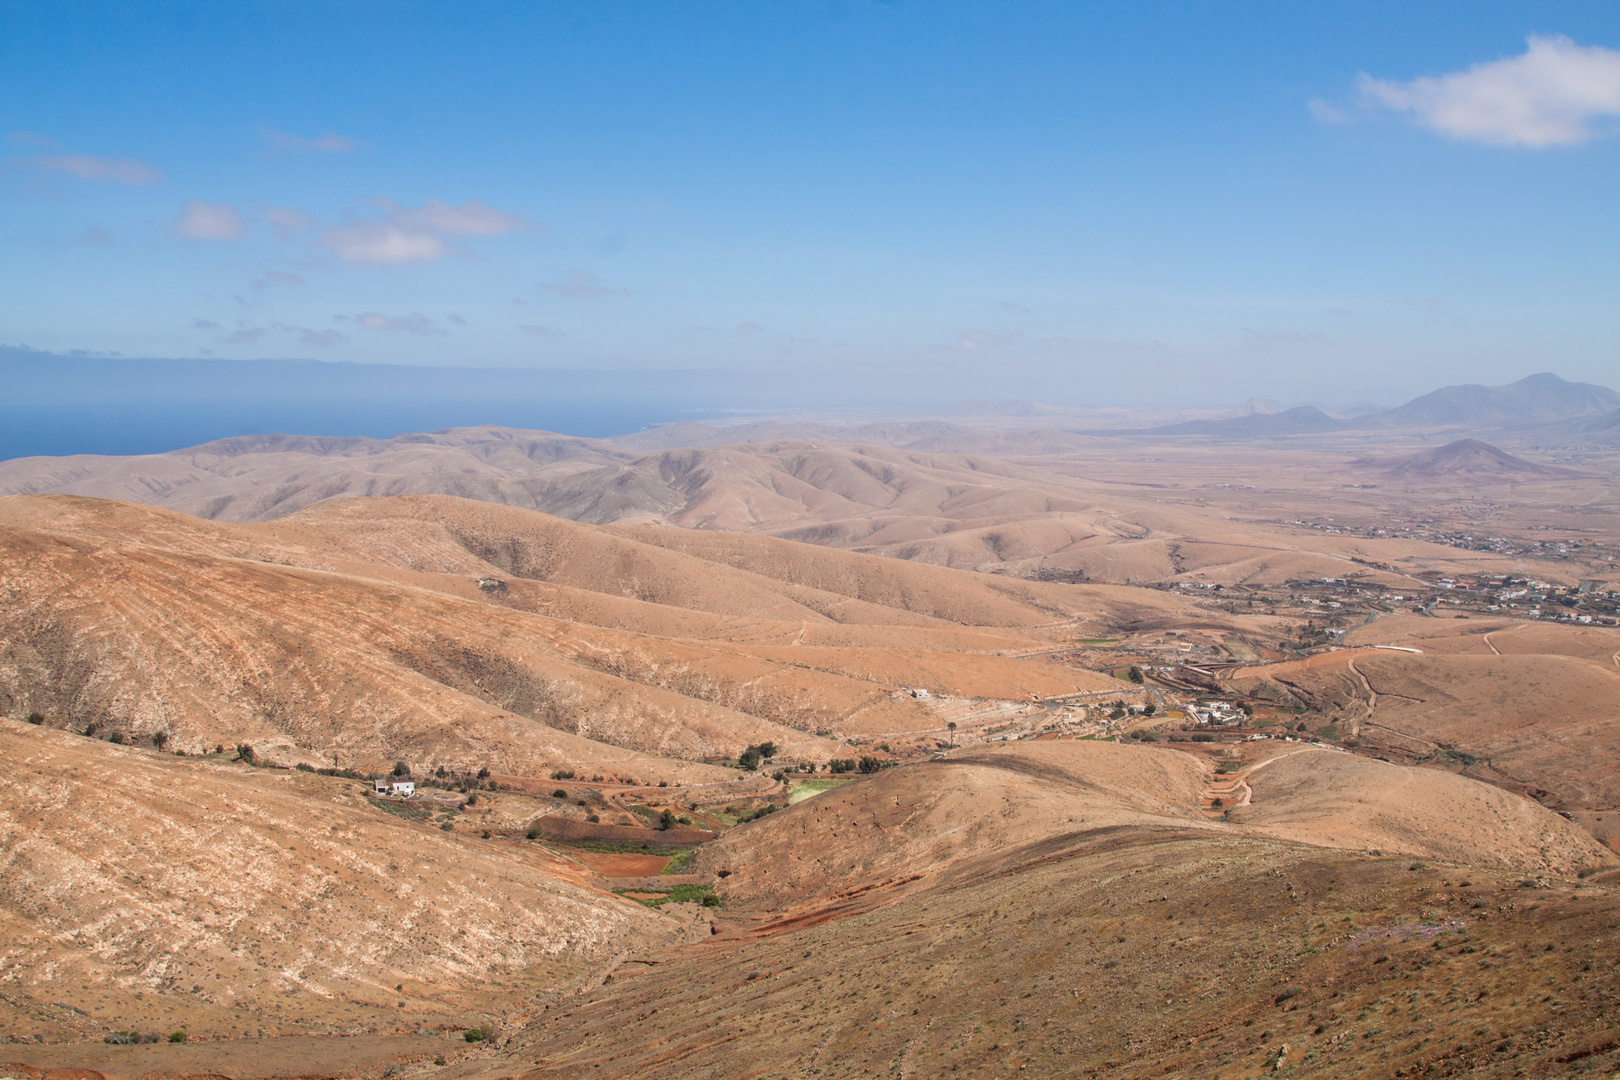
<point>854,203</point>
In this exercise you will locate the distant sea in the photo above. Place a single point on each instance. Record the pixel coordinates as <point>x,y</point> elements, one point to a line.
<point>57,405</point>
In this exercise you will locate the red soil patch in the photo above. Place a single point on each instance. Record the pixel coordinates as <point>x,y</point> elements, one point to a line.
<point>623,865</point>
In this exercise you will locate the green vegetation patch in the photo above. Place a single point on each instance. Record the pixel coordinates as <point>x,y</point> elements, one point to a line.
<point>678,862</point>
<point>675,894</point>
<point>620,847</point>
<point>398,809</point>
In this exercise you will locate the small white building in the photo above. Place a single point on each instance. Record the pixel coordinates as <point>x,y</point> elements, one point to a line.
<point>406,788</point>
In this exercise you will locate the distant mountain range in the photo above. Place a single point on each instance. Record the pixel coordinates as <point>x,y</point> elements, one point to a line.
<point>1538,399</point>
<point>1543,400</point>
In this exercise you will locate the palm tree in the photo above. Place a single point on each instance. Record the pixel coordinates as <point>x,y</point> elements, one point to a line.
<point>952,726</point>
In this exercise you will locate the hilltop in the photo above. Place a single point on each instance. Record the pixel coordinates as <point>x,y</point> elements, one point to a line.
<point>1470,458</point>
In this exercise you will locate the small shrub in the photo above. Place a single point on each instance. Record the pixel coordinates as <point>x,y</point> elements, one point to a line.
<point>474,1035</point>
<point>439,1060</point>
<point>487,834</point>
<point>533,834</point>
<point>663,783</point>
<point>559,794</point>
<point>472,800</point>
<point>749,759</point>
<point>121,1038</point>
<point>666,820</point>
<point>447,827</point>
<point>116,738</point>
<point>36,718</point>
<point>592,818</point>
<point>304,766</point>
<point>401,769</point>
<point>177,1036</point>
<point>483,774</point>
<point>1135,675</point>
<point>244,752</point>
<point>1289,992</point>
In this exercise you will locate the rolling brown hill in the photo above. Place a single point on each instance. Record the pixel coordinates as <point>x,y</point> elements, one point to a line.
<point>1534,708</point>
<point>1085,920</point>
<point>1098,511</point>
<point>355,633</point>
<point>142,889</point>
<point>1467,457</point>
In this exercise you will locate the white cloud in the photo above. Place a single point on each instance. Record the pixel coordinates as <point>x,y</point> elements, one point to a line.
<point>471,218</point>
<point>208,221</point>
<point>1557,93</point>
<point>281,142</point>
<point>119,170</point>
<point>382,244</point>
<point>415,234</point>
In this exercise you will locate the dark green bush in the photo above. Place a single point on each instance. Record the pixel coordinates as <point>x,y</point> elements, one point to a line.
<point>177,1036</point>
<point>559,794</point>
<point>36,718</point>
<point>474,1035</point>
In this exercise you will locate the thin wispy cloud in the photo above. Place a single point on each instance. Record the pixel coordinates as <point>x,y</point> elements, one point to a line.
<point>33,138</point>
<point>288,222</point>
<point>106,170</point>
<point>749,328</point>
<point>278,143</point>
<point>414,324</point>
<point>276,277</point>
<point>540,331</point>
<point>96,237</point>
<point>1556,93</point>
<point>415,234</point>
<point>320,338</point>
<point>580,284</point>
<point>199,220</point>
<point>1327,114</point>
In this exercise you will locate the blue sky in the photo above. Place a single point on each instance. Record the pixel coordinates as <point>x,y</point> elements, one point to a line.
<point>1083,203</point>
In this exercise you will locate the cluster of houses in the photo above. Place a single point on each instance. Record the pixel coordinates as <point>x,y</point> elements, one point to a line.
<point>1215,712</point>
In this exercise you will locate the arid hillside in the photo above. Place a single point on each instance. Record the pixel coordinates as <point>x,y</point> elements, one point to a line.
<point>1534,708</point>
<point>1027,504</point>
<point>1086,920</point>
<point>358,633</point>
<point>144,889</point>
